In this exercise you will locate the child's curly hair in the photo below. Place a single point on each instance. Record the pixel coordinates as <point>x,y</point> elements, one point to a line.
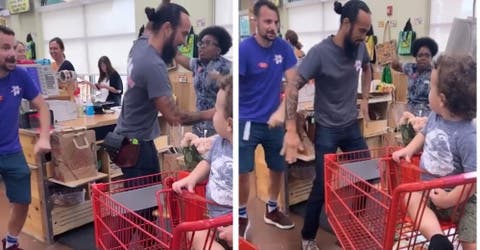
<point>226,84</point>
<point>457,80</point>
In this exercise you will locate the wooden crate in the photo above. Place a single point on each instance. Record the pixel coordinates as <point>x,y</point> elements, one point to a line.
<point>69,217</point>
<point>34,222</point>
<point>298,189</point>
<point>28,143</point>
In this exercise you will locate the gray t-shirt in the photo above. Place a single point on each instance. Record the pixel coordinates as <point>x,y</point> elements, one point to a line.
<point>450,147</point>
<point>147,80</point>
<point>336,81</point>
<point>220,180</point>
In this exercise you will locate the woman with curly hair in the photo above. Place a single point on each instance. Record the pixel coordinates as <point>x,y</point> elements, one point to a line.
<point>424,49</point>
<point>213,42</point>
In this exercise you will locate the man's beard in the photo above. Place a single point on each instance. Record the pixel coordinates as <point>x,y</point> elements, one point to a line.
<point>266,37</point>
<point>9,60</point>
<point>169,51</point>
<point>350,47</point>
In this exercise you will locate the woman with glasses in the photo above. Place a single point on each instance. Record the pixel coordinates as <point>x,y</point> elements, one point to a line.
<point>213,42</point>
<point>418,73</point>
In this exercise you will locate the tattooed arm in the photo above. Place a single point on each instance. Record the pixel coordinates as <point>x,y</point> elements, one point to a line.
<point>291,141</point>
<point>170,111</point>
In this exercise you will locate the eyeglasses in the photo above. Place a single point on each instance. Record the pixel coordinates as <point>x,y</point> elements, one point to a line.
<point>207,43</point>
<point>427,55</point>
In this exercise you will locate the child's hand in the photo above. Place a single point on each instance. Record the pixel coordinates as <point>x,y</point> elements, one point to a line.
<point>440,199</point>
<point>402,153</point>
<point>185,183</point>
<point>226,234</point>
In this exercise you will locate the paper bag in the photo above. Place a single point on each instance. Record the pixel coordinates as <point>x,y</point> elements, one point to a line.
<point>386,51</point>
<point>74,155</point>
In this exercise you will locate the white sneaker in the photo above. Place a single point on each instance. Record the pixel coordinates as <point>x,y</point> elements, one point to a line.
<point>309,245</point>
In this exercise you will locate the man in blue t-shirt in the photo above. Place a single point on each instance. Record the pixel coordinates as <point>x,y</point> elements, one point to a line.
<point>264,58</point>
<point>335,64</point>
<point>15,84</point>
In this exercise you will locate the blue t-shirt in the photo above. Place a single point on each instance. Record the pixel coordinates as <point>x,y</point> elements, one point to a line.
<point>450,147</point>
<point>220,179</point>
<point>13,87</point>
<point>261,71</point>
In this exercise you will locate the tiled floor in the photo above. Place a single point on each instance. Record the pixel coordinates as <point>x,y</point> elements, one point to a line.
<point>27,242</point>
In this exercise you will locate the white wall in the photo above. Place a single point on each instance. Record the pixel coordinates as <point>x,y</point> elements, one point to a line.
<point>315,20</point>
<point>93,28</point>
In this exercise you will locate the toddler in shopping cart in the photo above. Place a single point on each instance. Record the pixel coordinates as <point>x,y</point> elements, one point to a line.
<point>449,148</point>
<point>217,167</point>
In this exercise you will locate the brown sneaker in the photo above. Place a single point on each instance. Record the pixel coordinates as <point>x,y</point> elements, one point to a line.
<point>277,219</point>
<point>243,227</point>
<point>14,247</point>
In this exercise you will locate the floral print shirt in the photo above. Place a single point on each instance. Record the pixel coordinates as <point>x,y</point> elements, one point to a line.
<point>206,89</point>
<point>418,89</point>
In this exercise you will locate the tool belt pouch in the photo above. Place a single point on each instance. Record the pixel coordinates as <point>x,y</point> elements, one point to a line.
<point>121,151</point>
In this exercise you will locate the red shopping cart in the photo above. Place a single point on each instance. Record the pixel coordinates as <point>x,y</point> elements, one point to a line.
<point>367,193</point>
<point>123,214</point>
<point>243,244</point>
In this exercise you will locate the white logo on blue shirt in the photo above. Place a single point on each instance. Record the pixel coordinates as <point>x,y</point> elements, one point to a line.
<point>15,90</point>
<point>358,65</point>
<point>278,59</point>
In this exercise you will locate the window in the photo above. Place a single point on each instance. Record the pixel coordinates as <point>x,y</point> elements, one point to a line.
<point>223,17</point>
<point>312,21</point>
<point>442,14</point>
<point>92,30</point>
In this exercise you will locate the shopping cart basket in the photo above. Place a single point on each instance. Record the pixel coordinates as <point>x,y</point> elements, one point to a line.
<point>123,214</point>
<point>243,244</point>
<point>366,195</point>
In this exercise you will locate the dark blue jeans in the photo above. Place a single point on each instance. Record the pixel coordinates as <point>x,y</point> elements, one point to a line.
<point>327,140</point>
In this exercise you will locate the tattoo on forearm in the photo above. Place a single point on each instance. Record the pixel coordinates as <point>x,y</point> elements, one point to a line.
<point>292,98</point>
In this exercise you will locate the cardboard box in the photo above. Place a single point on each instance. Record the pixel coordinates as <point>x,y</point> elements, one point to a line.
<point>395,112</point>
<point>400,81</point>
<point>378,120</point>
<point>170,162</point>
<point>182,86</point>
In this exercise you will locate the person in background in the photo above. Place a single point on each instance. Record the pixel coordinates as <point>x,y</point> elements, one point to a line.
<point>20,51</point>
<point>214,41</point>
<point>15,84</point>
<point>264,60</point>
<point>449,148</point>
<point>335,64</point>
<point>31,48</point>
<point>149,90</point>
<point>292,38</point>
<point>418,73</point>
<point>109,83</point>
<point>217,167</point>
<point>57,52</point>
